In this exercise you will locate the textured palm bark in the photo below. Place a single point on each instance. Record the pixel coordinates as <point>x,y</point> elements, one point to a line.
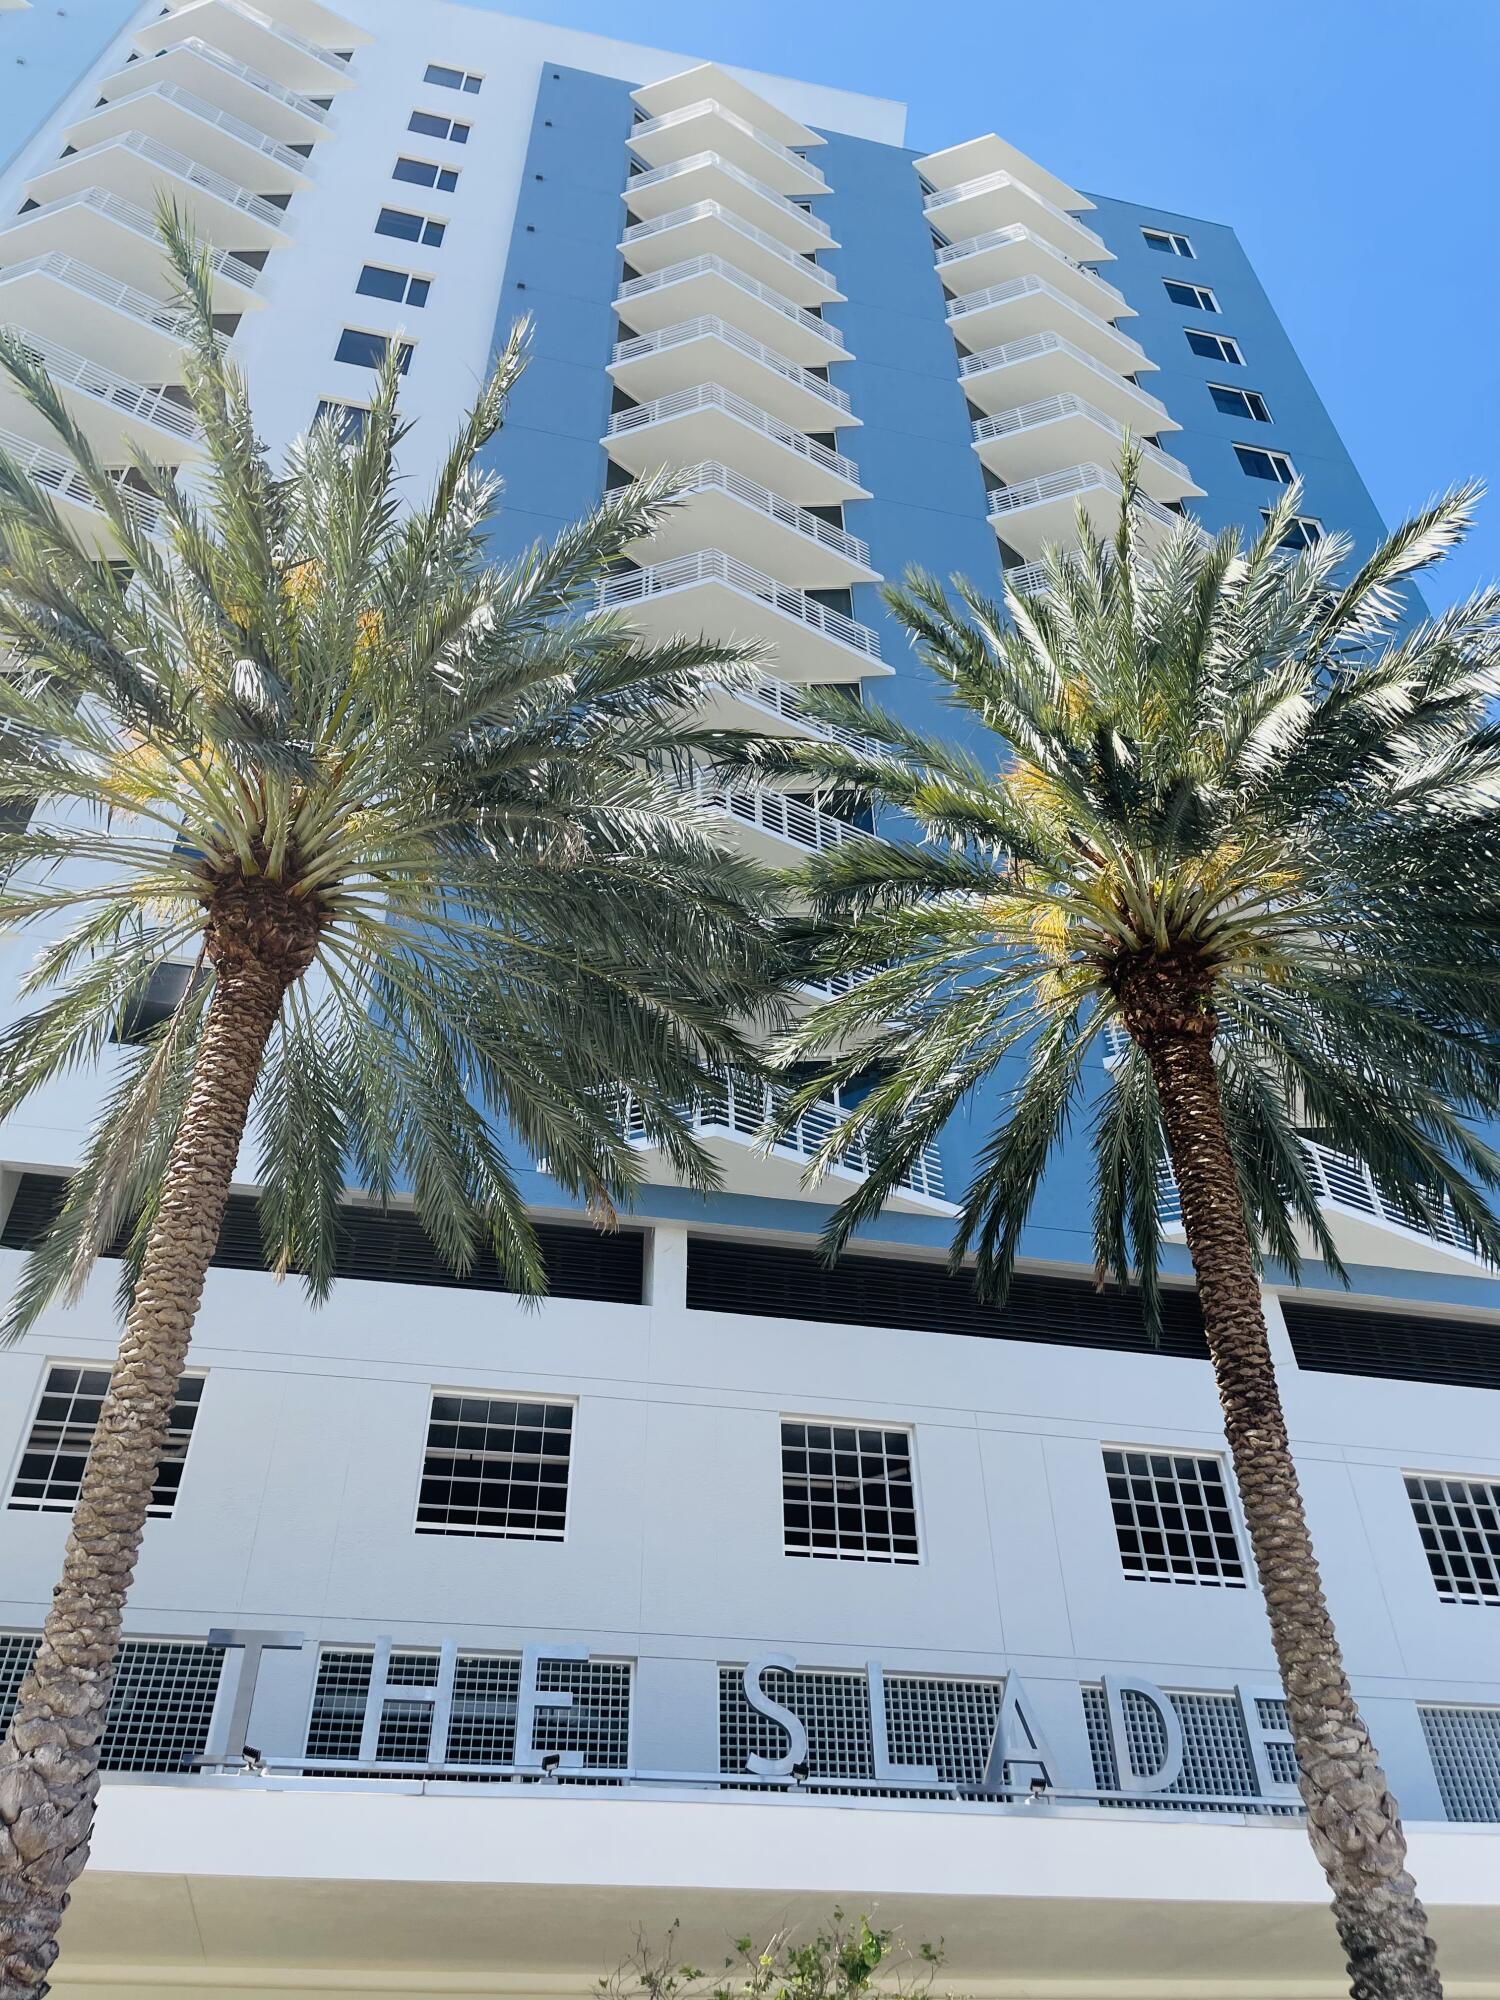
<point>49,1762</point>
<point>1352,1819</point>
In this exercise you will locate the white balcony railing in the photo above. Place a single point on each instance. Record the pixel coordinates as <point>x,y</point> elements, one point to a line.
<point>293,99</point>
<point>58,474</point>
<point>708,106</point>
<point>790,703</point>
<point>173,161</point>
<point>635,586</point>
<point>719,267</point>
<point>745,1109</point>
<point>291,36</point>
<point>708,326</point>
<point>75,371</point>
<point>131,216</point>
<point>993,183</point>
<point>1032,344</point>
<point>1048,409</point>
<point>1343,1182</point>
<point>1081,479</point>
<point>711,477</point>
<point>702,211</point>
<point>694,161</point>
<point>713,396</point>
<point>212,114</point>
<point>81,277</point>
<point>1017,232</point>
<point>1034,287</point>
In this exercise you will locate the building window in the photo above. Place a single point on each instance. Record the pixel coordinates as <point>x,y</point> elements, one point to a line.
<point>155,1000</point>
<point>1173,1519</point>
<point>1303,531</point>
<point>1459,1522</point>
<point>1197,298</point>
<point>62,1433</point>
<point>431,126</point>
<point>410,228</point>
<point>1168,241</point>
<point>1240,402</point>
<point>847,1493</point>
<point>452,79</point>
<point>1258,463</point>
<point>367,350</point>
<point>1215,347</point>
<point>350,417</point>
<point>424,174</point>
<point>377,282</point>
<point>495,1466</point>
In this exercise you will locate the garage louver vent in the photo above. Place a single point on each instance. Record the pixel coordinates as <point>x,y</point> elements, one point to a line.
<point>387,1247</point>
<point>1406,1347</point>
<point>743,1277</point>
<point>160,1710</point>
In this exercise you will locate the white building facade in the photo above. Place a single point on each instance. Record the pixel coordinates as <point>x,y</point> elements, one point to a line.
<point>467,1638</point>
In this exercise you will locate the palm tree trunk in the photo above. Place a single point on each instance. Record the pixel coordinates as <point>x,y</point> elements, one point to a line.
<point>49,1762</point>
<point>1352,1819</point>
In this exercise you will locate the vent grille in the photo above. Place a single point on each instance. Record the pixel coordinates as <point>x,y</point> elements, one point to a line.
<point>1216,1757</point>
<point>1406,1347</point>
<point>387,1247</point>
<point>160,1710</point>
<point>1465,1747</point>
<point>482,1714</point>
<point>742,1277</point>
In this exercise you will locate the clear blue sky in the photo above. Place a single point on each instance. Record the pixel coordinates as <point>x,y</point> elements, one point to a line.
<point>1354,145</point>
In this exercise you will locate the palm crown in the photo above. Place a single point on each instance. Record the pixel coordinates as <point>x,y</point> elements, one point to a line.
<point>1216,767</point>
<point>443,788</point>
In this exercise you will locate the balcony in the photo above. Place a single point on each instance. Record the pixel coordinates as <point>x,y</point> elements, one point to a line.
<point>691,86</point>
<point>118,238</point>
<point>54,471</point>
<point>710,349</point>
<point>217,139</point>
<point>711,127</point>
<point>107,405</point>
<point>733,1120</point>
<point>313,20</point>
<point>721,508</point>
<point>268,106</point>
<point>1042,513</point>
<point>775,708</point>
<point>707,228</point>
<point>703,287</point>
<point>995,201</point>
<point>139,168</point>
<point>1014,252</point>
<point>1366,1225</point>
<point>253,38</point>
<point>711,422</point>
<point>1030,304</point>
<point>1047,364</point>
<point>1037,437</point>
<point>707,177</point>
<point>63,299</point>
<point>717,594</point>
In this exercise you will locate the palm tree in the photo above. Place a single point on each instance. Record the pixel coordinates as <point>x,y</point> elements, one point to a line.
<point>1230,811</point>
<point>412,818</point>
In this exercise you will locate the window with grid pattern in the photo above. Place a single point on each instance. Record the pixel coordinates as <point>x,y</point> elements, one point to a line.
<point>161,1706</point>
<point>1459,1522</point>
<point>1217,1762</point>
<point>496,1466</point>
<point>62,1433</point>
<point>1465,1747</point>
<point>1173,1519</point>
<point>847,1492</point>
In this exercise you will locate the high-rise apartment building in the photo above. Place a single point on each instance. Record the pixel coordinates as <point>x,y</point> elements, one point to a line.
<point>723,1586</point>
